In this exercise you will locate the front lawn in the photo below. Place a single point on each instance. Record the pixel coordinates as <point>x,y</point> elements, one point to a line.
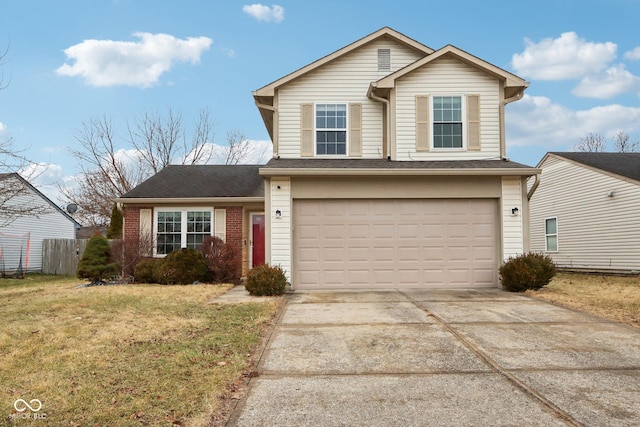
<point>125,355</point>
<point>614,297</point>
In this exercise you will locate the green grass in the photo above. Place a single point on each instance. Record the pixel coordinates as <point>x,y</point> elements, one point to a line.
<point>122,355</point>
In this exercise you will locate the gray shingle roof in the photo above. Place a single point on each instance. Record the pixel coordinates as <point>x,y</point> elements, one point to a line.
<point>624,164</point>
<point>180,181</point>
<point>316,163</point>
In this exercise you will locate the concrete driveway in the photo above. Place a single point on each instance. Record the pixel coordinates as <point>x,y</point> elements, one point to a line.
<point>442,358</point>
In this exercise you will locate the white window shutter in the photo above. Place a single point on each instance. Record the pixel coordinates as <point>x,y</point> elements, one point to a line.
<point>473,122</point>
<point>307,148</point>
<point>423,123</point>
<point>146,235</point>
<point>220,224</point>
<point>355,130</point>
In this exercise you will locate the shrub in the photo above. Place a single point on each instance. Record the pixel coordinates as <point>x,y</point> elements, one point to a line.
<point>182,267</point>
<point>223,260</point>
<point>96,263</point>
<point>146,271</point>
<point>264,280</point>
<point>527,271</point>
<point>130,250</point>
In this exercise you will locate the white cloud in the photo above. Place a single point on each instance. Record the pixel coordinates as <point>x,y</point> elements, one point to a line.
<point>614,81</point>
<point>633,55</point>
<point>537,121</point>
<point>274,13</point>
<point>45,177</point>
<point>565,58</point>
<point>2,127</point>
<point>139,63</point>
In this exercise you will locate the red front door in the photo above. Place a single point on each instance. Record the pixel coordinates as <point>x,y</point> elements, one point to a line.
<point>257,239</point>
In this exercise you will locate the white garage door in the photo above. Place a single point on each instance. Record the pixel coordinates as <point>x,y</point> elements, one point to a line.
<point>395,243</point>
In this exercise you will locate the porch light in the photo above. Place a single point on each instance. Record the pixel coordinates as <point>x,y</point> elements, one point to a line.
<point>278,213</point>
<point>515,211</point>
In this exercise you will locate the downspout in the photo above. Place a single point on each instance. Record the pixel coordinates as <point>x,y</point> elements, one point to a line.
<point>276,149</point>
<point>376,98</point>
<point>533,187</point>
<point>516,97</point>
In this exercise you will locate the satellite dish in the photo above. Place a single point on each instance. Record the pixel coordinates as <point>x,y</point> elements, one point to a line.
<point>72,208</point>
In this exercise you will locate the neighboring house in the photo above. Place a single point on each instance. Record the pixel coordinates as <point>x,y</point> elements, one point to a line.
<point>389,169</point>
<point>29,218</point>
<point>181,205</point>
<point>585,211</point>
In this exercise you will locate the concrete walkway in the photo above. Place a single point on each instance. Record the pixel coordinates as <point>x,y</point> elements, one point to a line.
<point>442,358</point>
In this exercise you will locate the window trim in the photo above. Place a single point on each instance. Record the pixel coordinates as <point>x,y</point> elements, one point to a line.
<point>463,121</point>
<point>547,235</point>
<point>183,224</point>
<point>315,129</point>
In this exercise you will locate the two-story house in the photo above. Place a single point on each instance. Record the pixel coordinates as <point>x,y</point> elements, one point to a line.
<point>389,169</point>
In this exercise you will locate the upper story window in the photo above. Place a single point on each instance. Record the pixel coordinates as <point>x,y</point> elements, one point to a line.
<point>331,129</point>
<point>447,122</point>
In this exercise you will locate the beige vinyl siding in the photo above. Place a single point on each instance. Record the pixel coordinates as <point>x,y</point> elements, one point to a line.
<point>280,227</point>
<point>512,225</point>
<point>345,80</point>
<point>50,225</point>
<point>594,231</point>
<point>447,76</point>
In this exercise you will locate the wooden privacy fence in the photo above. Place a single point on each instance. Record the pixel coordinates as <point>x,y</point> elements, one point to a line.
<point>61,256</point>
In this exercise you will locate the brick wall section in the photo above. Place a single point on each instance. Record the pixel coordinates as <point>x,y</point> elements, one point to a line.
<point>234,230</point>
<point>131,222</point>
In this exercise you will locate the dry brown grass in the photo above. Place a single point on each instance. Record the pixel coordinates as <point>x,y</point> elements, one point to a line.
<point>613,297</point>
<point>126,355</point>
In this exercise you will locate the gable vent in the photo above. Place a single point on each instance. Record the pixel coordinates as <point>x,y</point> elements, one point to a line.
<point>384,59</point>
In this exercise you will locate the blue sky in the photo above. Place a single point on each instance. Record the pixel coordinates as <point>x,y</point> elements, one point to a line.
<point>72,60</point>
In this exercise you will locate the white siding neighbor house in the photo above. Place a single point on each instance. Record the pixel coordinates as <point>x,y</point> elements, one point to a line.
<point>27,218</point>
<point>389,168</point>
<point>585,213</point>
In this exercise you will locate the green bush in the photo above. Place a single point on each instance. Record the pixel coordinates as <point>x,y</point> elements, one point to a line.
<point>223,260</point>
<point>96,263</point>
<point>182,267</point>
<point>527,271</point>
<point>264,280</point>
<point>147,270</point>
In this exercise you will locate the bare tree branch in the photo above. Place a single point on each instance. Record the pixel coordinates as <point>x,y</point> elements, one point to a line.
<point>623,144</point>
<point>592,143</point>
<point>109,172</point>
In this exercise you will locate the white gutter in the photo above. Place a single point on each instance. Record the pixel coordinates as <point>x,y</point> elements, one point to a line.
<point>189,200</point>
<point>398,172</point>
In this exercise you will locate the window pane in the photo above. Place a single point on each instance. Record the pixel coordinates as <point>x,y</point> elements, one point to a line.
<point>552,243</point>
<point>198,227</point>
<point>551,226</point>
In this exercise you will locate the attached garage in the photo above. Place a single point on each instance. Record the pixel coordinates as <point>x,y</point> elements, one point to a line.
<point>395,243</point>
